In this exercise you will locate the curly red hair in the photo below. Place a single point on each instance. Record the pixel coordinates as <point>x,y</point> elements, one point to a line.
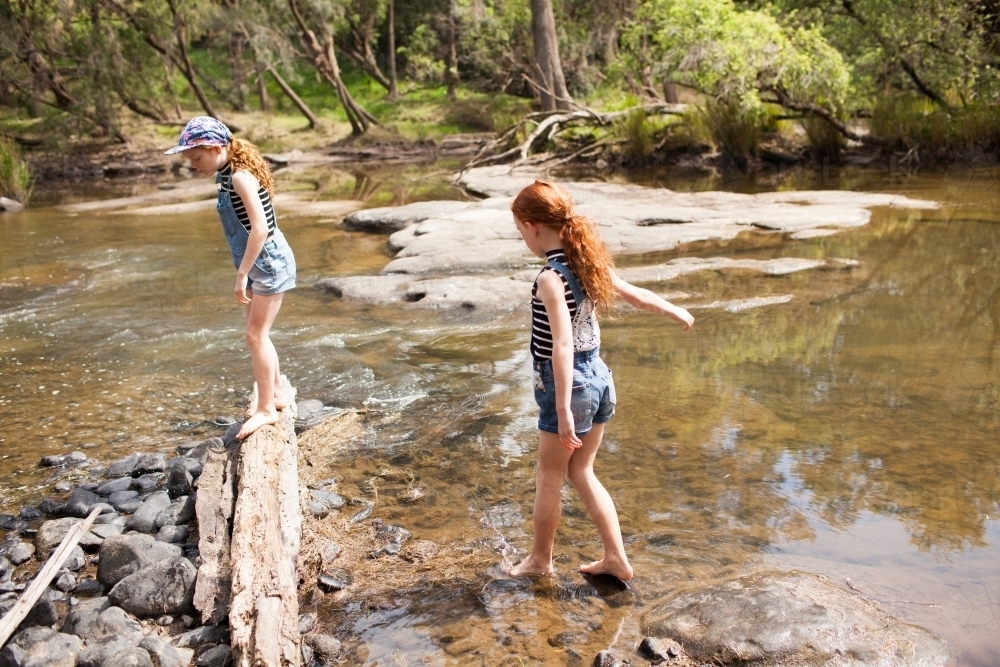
<point>544,203</point>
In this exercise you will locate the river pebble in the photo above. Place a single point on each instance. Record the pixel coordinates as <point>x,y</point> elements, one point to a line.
<point>334,579</point>
<point>217,656</point>
<point>52,507</point>
<point>41,647</point>
<point>12,523</point>
<point>123,467</point>
<point>173,534</point>
<point>165,655</point>
<point>29,513</point>
<point>113,486</point>
<point>178,512</point>
<point>144,518</point>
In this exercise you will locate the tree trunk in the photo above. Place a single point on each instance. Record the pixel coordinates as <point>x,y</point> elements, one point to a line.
<point>549,66</point>
<point>303,107</point>
<point>265,102</point>
<point>185,62</point>
<point>324,58</point>
<point>451,76</point>
<point>393,85</point>
<point>359,49</point>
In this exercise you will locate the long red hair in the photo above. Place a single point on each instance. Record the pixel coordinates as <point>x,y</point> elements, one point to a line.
<point>544,203</point>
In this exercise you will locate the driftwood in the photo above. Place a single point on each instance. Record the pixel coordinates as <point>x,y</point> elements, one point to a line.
<point>548,125</point>
<point>214,506</point>
<point>250,523</point>
<point>48,572</point>
<point>264,610</point>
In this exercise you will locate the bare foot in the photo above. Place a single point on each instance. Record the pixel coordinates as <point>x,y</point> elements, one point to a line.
<point>621,570</point>
<point>279,405</point>
<point>529,566</point>
<point>256,421</point>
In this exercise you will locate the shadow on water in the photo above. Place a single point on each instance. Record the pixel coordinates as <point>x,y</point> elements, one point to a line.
<point>850,431</point>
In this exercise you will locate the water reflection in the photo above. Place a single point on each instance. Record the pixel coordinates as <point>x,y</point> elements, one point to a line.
<point>850,431</point>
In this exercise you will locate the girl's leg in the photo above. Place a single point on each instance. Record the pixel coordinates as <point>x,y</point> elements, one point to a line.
<point>549,476</point>
<point>260,315</point>
<point>600,507</point>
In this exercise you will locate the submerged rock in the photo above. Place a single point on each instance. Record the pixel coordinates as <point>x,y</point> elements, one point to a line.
<point>789,618</point>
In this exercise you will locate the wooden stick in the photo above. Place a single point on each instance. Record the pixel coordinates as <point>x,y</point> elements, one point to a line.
<point>48,572</point>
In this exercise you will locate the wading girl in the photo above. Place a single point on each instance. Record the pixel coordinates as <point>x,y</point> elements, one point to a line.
<point>573,387</point>
<point>265,265</point>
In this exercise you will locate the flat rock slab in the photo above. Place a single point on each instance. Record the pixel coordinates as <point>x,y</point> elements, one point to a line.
<point>431,236</point>
<point>492,293</point>
<point>289,204</point>
<point>789,618</point>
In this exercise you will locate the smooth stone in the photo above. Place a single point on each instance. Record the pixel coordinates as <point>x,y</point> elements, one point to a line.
<point>332,501</point>
<point>5,566</point>
<point>217,656</point>
<point>89,587</point>
<point>334,579</point>
<point>51,533</point>
<point>52,507</point>
<point>325,647</point>
<point>53,460</point>
<point>62,487</point>
<point>29,513</point>
<point>123,467</point>
<point>76,457</point>
<point>81,501</point>
<point>19,552</point>
<point>65,582</point>
<point>146,482</point>
<point>178,512</point>
<point>121,496</point>
<point>164,587</point>
<point>133,657</point>
<point>788,618</point>
<point>129,506</point>
<point>114,486</point>
<point>173,534</point>
<point>186,447</point>
<point>12,523</point>
<point>230,436</point>
<point>144,519</point>
<point>8,205</point>
<point>606,658</point>
<point>395,534</point>
<point>180,481</point>
<point>318,509</point>
<point>123,555</point>
<point>42,614</point>
<point>41,647</point>
<point>200,453</point>
<point>110,518</point>
<point>89,486</point>
<point>147,463</point>
<point>76,560</point>
<point>106,530</point>
<point>82,617</point>
<point>164,621</point>
<point>657,650</point>
<point>206,634</point>
<point>166,655</point>
<point>307,623</point>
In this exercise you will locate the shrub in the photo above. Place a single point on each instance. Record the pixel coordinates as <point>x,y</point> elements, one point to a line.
<point>909,122</point>
<point>15,178</point>
<point>733,127</point>
<point>824,139</point>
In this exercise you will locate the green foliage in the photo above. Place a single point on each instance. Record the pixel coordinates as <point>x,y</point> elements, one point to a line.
<point>735,55</point>
<point>911,121</point>
<point>736,129</point>
<point>949,46</point>
<point>824,140</point>
<point>15,178</point>
<point>638,135</point>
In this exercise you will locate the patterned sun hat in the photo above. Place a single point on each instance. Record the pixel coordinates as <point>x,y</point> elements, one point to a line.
<point>202,131</point>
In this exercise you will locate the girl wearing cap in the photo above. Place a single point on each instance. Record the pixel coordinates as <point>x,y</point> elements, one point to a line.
<point>265,265</point>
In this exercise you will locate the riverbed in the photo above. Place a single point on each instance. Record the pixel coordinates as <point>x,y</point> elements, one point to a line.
<point>851,430</point>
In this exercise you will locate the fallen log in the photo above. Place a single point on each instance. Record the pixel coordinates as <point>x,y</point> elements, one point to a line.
<point>250,523</point>
<point>264,610</point>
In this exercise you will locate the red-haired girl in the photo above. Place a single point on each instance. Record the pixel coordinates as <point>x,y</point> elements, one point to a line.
<point>573,386</point>
<point>265,265</point>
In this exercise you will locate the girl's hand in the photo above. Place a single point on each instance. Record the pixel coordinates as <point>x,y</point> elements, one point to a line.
<point>684,317</point>
<point>567,433</point>
<point>241,289</point>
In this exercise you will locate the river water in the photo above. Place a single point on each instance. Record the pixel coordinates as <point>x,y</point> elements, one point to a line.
<point>852,431</point>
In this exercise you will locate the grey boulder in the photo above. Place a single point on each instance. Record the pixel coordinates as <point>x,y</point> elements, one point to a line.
<point>164,587</point>
<point>40,647</point>
<point>178,512</point>
<point>789,618</point>
<point>123,555</point>
<point>144,519</point>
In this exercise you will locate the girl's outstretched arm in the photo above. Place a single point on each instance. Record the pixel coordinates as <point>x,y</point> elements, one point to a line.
<point>643,299</point>
<point>246,186</point>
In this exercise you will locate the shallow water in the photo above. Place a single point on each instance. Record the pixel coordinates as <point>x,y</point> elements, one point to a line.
<point>851,431</point>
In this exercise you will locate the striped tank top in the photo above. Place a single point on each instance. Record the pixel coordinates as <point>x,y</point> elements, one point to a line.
<point>586,333</point>
<point>226,183</point>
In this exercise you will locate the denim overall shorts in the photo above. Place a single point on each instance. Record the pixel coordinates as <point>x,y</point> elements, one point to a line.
<point>273,271</point>
<point>593,399</point>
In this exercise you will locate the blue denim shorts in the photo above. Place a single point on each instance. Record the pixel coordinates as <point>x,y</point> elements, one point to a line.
<point>273,271</point>
<point>593,398</point>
